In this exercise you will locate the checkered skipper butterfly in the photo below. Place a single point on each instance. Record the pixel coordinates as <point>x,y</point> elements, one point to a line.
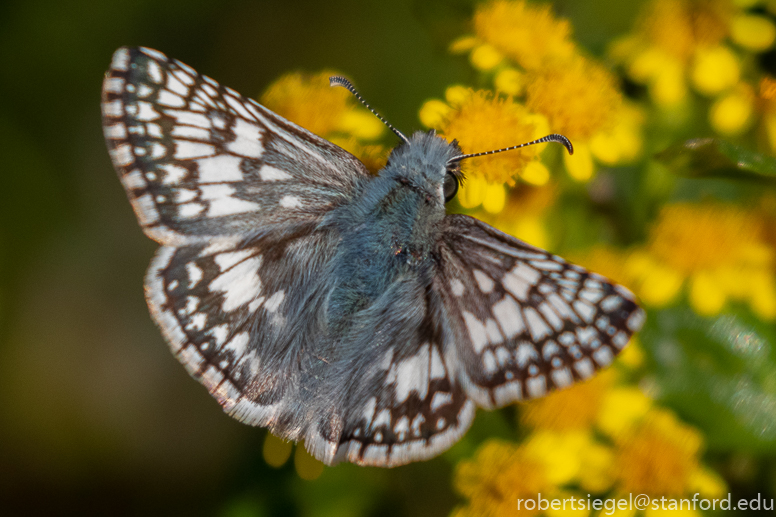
<point>330,305</point>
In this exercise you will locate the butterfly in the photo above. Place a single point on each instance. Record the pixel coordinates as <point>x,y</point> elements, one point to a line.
<point>330,305</point>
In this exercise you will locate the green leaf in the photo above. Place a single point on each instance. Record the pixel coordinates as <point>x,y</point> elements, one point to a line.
<point>718,373</point>
<point>712,157</point>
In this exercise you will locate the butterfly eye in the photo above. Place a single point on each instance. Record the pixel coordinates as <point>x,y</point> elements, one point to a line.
<point>450,186</point>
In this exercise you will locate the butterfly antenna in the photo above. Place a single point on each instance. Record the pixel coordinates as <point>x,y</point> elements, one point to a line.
<point>549,138</point>
<point>337,80</point>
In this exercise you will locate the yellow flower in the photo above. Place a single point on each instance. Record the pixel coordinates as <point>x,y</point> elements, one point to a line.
<point>578,97</point>
<point>658,457</point>
<point>499,474</point>
<point>670,37</point>
<point>722,249</point>
<point>309,101</point>
<point>527,33</point>
<point>484,122</point>
<point>679,27</point>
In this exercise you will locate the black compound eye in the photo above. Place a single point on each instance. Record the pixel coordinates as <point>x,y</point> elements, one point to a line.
<point>450,186</point>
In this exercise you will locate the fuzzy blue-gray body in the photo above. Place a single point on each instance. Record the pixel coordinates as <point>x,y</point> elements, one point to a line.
<point>390,230</point>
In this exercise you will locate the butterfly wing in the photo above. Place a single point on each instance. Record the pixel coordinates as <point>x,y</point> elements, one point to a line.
<point>524,321</point>
<point>199,160</point>
<point>235,194</point>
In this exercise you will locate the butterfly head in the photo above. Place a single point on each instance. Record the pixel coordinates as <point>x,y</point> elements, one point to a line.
<point>426,163</point>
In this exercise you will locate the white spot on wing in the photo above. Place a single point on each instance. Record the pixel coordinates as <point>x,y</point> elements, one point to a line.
<point>185,150</point>
<point>221,168</point>
<point>483,281</point>
<point>274,301</point>
<point>222,203</point>
<point>412,375</point>
<point>477,333</point>
<point>248,142</point>
<point>240,284</point>
<point>270,173</point>
<point>507,313</point>
<point>290,202</point>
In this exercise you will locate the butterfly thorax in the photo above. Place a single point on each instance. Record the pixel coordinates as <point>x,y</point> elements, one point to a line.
<point>390,232</point>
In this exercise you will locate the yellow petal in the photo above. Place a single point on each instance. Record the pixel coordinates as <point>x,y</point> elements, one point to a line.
<point>732,114</point>
<point>660,285</point>
<point>361,124</point>
<point>463,44</point>
<point>485,57</point>
<point>621,408</point>
<point>706,296</point>
<point>494,198</point>
<point>715,70</point>
<point>669,88</point>
<point>433,113</point>
<point>535,173</point>
<point>753,32</point>
<point>457,94</point>
<point>580,164</point>
<point>472,192</point>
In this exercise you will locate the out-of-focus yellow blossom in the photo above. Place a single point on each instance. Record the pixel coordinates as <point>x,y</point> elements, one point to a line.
<point>722,250</point>
<point>718,252</point>
<point>680,27</point>
<point>672,35</point>
<point>579,97</point>
<point>529,34</point>
<point>622,143</point>
<point>498,475</point>
<point>659,456</point>
<point>484,122</point>
<point>753,32</point>
<point>292,95</point>
<point>733,114</point>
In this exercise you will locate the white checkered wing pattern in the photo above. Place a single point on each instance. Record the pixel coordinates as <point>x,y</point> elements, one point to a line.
<point>198,159</point>
<point>524,321</point>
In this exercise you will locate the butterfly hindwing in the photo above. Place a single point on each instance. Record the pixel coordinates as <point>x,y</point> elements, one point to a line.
<point>525,321</point>
<point>230,313</point>
<point>199,160</point>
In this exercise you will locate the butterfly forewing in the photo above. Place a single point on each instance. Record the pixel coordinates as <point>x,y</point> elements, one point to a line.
<point>198,160</point>
<point>525,321</point>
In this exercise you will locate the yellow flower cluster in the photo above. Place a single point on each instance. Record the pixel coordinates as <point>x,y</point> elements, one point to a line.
<point>598,437</point>
<point>700,44</point>
<point>542,84</point>
<point>715,252</point>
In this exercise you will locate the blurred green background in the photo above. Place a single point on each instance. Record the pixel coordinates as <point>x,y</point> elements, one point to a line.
<point>96,416</point>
